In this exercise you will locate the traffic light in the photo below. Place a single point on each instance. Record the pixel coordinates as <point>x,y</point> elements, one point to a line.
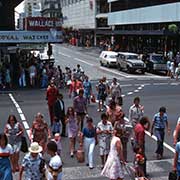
<point>49,51</point>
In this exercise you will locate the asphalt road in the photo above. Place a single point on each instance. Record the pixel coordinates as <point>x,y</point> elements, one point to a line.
<point>154,90</point>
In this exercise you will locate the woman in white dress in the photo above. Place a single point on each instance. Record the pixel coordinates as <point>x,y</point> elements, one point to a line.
<point>113,168</point>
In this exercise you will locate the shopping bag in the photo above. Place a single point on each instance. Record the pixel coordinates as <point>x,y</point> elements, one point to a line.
<point>80,154</point>
<point>24,144</point>
<point>93,99</point>
<point>172,175</point>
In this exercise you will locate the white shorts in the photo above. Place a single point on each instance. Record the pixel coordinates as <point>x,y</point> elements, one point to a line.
<point>32,75</point>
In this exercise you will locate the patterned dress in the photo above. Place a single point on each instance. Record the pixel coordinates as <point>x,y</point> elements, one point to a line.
<point>14,141</point>
<point>40,132</point>
<point>72,127</point>
<point>113,168</point>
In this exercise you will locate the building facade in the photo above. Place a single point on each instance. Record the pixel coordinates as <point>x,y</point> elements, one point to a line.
<point>145,25</point>
<point>87,17</point>
<point>32,8</point>
<point>51,8</point>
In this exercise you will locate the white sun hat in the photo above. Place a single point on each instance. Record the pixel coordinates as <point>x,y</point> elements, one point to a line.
<point>35,148</point>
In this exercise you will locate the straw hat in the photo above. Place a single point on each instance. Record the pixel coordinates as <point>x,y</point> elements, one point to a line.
<point>35,148</point>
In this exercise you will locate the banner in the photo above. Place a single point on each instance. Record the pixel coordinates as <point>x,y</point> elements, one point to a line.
<point>42,23</point>
<point>52,36</point>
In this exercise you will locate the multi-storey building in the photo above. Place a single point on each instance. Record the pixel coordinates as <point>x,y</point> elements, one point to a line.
<point>32,8</point>
<point>87,17</point>
<point>145,25</point>
<point>51,8</point>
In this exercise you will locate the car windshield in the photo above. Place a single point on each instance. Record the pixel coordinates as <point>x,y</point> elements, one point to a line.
<point>132,57</point>
<point>112,56</point>
<point>157,58</point>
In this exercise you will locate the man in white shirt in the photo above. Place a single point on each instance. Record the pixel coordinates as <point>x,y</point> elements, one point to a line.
<point>55,163</point>
<point>136,111</point>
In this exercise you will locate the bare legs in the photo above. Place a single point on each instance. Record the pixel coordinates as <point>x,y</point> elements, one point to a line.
<point>72,145</point>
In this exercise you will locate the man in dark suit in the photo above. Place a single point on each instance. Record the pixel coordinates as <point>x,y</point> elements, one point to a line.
<point>59,112</point>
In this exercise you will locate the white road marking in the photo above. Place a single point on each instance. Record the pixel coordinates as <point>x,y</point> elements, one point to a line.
<point>174,84</point>
<point>123,95</point>
<point>154,137</point>
<point>160,84</point>
<point>19,110</point>
<point>64,54</point>
<point>22,116</point>
<point>26,126</point>
<point>136,90</point>
<point>80,60</point>
<point>139,88</point>
<point>129,93</point>
<point>165,144</point>
<point>28,133</point>
<point>126,85</point>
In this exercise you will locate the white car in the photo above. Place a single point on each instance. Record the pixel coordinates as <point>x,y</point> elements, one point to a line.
<point>108,58</point>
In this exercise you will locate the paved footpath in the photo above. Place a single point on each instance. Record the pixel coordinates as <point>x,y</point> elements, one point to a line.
<point>155,169</point>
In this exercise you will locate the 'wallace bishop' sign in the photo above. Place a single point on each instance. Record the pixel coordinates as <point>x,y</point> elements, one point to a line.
<point>42,23</point>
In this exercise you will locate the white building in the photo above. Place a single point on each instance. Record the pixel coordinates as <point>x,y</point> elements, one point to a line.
<point>87,16</point>
<point>79,15</point>
<point>32,8</point>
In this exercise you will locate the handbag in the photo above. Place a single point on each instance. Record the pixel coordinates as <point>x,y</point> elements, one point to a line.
<point>172,175</point>
<point>93,99</point>
<point>24,144</point>
<point>80,154</point>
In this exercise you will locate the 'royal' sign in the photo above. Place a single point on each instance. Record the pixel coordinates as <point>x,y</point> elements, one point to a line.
<point>42,23</point>
<point>18,37</point>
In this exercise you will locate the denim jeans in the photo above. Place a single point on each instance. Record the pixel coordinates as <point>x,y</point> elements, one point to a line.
<point>89,144</point>
<point>159,133</point>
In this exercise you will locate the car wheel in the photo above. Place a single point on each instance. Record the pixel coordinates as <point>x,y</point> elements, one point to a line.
<point>148,69</point>
<point>129,69</point>
<point>119,67</point>
<point>142,71</point>
<point>101,63</point>
<point>108,65</point>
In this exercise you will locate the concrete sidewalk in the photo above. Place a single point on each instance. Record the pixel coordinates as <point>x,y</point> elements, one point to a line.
<point>158,170</point>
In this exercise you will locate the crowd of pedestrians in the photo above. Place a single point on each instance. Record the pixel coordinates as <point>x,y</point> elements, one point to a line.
<point>112,133</point>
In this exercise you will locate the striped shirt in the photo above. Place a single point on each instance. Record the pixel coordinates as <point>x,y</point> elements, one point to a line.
<point>160,122</point>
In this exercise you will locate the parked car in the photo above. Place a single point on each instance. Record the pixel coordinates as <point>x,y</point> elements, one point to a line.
<point>108,58</point>
<point>130,62</point>
<point>155,62</point>
<point>45,58</point>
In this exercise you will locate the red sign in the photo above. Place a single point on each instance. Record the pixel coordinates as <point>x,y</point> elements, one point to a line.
<point>42,23</point>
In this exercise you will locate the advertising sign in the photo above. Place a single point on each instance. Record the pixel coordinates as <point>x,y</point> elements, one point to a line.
<point>42,23</point>
<point>51,36</point>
